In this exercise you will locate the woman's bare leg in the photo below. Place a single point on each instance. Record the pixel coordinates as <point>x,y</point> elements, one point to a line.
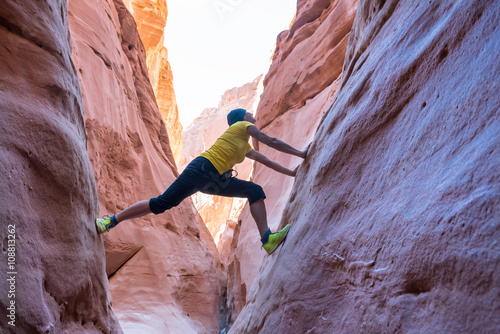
<point>259,214</point>
<point>136,210</point>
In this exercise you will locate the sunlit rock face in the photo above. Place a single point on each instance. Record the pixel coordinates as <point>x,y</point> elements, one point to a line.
<point>151,17</point>
<point>298,89</point>
<point>395,212</point>
<point>201,134</point>
<point>162,276</point>
<point>52,265</point>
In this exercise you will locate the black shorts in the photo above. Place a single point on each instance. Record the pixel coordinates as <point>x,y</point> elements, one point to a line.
<point>201,175</point>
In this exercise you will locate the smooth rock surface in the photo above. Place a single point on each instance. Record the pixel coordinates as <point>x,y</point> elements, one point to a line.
<point>151,18</point>
<point>164,278</point>
<point>47,187</point>
<point>298,89</point>
<point>395,212</point>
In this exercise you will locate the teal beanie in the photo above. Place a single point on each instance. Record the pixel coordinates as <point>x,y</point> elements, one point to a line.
<point>235,115</point>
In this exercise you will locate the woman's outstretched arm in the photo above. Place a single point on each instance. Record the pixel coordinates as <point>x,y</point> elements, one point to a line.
<point>259,157</point>
<point>275,142</point>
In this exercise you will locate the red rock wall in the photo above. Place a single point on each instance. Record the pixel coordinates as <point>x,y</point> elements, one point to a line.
<point>151,18</point>
<point>47,187</point>
<point>162,276</point>
<point>395,212</point>
<point>298,89</point>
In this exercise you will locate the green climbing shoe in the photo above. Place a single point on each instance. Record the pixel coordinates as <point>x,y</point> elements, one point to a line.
<point>275,239</point>
<point>104,224</point>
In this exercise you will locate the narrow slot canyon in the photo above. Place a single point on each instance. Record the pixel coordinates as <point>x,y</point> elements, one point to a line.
<point>394,212</point>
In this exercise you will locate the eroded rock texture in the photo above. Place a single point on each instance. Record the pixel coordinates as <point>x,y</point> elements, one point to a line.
<point>395,212</point>
<point>162,276</point>
<point>201,134</point>
<point>47,187</point>
<point>298,89</point>
<point>151,17</point>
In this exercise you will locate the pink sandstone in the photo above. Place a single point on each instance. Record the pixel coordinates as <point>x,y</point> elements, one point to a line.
<point>151,17</point>
<point>298,89</point>
<point>163,278</point>
<point>47,188</point>
<point>395,212</point>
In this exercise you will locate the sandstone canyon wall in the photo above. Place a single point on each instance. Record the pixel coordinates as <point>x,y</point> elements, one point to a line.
<point>200,135</point>
<point>47,188</point>
<point>151,18</point>
<point>298,89</point>
<point>395,211</point>
<point>162,276</point>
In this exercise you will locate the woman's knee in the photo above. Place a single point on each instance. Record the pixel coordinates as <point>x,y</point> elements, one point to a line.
<point>255,193</point>
<point>159,205</point>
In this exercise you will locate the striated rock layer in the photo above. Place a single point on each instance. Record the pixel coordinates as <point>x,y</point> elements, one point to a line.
<point>395,212</point>
<point>57,280</point>
<point>162,276</point>
<point>298,89</point>
<point>151,18</point>
<point>201,134</point>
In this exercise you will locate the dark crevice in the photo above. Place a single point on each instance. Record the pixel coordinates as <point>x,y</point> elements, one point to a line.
<point>124,262</point>
<point>11,27</point>
<point>98,54</point>
<point>416,287</point>
<point>443,54</point>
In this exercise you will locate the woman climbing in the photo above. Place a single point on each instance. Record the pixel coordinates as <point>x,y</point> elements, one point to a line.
<point>211,173</point>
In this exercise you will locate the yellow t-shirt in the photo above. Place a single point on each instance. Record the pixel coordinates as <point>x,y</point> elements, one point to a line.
<point>230,148</point>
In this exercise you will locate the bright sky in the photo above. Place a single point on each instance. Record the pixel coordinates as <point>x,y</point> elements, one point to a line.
<point>215,45</point>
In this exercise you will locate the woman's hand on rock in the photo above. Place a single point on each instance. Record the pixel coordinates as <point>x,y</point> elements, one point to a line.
<point>293,173</point>
<point>303,153</point>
